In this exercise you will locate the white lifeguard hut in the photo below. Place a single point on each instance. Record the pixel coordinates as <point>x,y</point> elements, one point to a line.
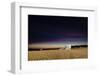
<point>68,46</point>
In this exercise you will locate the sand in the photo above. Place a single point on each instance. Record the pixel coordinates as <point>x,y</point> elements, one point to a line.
<point>74,53</point>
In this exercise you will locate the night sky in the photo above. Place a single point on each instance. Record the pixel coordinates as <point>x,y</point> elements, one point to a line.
<point>57,29</point>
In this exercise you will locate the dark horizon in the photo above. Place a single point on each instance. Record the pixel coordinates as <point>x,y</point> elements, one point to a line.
<point>42,28</point>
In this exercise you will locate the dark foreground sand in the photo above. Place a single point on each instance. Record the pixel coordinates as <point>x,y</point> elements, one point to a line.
<point>74,53</point>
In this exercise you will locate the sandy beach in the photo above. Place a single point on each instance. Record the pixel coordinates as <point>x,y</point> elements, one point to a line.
<point>74,53</point>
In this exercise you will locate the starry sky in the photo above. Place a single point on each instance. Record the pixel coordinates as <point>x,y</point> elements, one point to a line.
<point>43,28</point>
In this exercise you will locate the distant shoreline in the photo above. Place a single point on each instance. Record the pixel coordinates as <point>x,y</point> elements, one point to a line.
<point>55,48</point>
